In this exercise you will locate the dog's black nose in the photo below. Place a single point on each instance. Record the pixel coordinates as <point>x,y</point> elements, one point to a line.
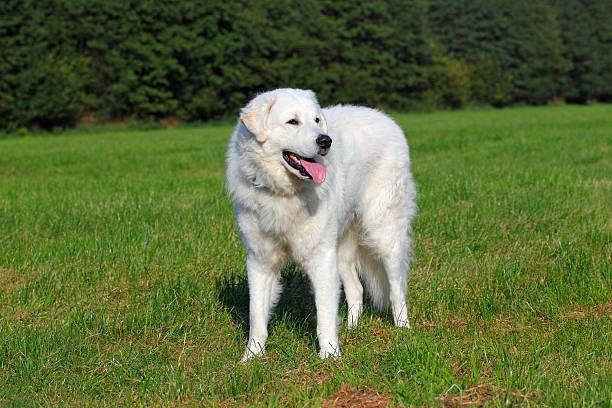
<point>324,142</point>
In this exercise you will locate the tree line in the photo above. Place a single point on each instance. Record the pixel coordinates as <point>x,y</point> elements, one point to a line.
<point>195,60</point>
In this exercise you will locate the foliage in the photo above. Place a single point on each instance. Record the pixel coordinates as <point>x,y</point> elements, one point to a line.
<point>197,60</point>
<point>515,46</point>
<point>587,37</point>
<point>450,81</point>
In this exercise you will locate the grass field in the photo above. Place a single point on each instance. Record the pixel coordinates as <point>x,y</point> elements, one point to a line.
<point>123,277</point>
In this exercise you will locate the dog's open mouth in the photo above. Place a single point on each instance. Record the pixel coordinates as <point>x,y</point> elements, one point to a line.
<point>307,167</point>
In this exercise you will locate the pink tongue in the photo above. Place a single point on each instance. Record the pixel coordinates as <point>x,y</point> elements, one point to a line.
<point>316,170</point>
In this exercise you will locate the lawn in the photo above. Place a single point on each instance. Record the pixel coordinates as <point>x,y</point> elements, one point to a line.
<point>123,277</point>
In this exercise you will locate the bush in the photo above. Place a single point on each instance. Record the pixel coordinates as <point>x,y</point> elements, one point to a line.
<point>51,92</point>
<point>449,82</point>
<point>200,60</point>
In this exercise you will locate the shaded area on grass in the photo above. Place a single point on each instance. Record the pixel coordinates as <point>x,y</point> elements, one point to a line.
<point>295,307</point>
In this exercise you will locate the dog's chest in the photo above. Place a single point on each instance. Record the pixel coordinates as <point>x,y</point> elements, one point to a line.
<point>290,217</point>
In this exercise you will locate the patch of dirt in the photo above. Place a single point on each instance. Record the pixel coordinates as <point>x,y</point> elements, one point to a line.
<point>479,395</point>
<point>603,311</point>
<point>304,375</point>
<point>349,396</point>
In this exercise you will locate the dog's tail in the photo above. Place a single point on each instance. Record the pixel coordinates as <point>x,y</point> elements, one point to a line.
<point>372,273</point>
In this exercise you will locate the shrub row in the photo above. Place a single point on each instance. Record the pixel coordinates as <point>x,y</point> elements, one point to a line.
<point>196,60</point>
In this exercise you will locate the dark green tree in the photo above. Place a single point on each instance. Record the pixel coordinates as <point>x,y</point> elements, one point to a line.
<point>197,60</point>
<point>515,47</point>
<point>586,30</point>
<point>41,80</point>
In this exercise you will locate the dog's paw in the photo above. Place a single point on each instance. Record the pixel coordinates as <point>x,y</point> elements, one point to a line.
<point>351,324</point>
<point>403,323</point>
<point>249,356</point>
<point>400,315</point>
<point>330,352</point>
<point>353,317</point>
<point>252,351</point>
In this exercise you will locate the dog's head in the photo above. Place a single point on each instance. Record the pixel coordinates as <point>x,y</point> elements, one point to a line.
<point>289,124</point>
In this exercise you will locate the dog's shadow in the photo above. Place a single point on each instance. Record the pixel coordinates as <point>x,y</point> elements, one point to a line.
<point>295,307</point>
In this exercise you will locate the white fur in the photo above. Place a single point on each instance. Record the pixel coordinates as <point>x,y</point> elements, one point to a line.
<point>354,224</point>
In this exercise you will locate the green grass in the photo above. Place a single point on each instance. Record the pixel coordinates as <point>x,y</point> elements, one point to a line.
<point>123,277</point>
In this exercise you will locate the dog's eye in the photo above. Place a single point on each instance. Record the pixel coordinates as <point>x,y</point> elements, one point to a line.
<point>293,122</point>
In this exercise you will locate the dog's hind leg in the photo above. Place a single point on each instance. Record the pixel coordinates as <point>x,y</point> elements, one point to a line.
<point>392,251</point>
<point>347,267</point>
<point>391,245</point>
<point>396,266</point>
<point>386,222</point>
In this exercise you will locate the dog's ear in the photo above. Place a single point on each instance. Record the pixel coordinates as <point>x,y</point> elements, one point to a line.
<point>255,115</point>
<point>323,123</point>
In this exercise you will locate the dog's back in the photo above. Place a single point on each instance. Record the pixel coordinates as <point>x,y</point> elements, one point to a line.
<point>373,154</point>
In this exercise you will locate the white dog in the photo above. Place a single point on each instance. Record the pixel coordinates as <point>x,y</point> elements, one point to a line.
<point>330,188</point>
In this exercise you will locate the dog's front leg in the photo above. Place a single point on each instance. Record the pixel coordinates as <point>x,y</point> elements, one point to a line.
<point>323,273</point>
<point>264,288</point>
